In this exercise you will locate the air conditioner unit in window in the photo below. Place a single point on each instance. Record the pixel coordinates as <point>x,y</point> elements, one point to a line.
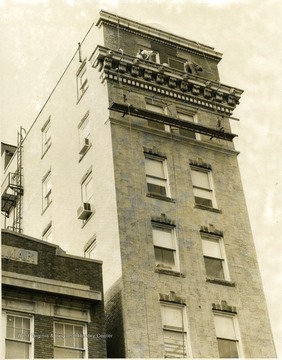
<point>85,145</point>
<point>84,211</point>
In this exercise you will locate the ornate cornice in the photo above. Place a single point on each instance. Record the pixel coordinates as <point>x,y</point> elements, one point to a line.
<point>147,75</point>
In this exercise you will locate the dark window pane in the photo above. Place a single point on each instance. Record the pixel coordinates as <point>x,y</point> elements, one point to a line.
<point>227,348</point>
<point>156,125</point>
<point>176,64</point>
<point>17,350</point>
<point>156,189</point>
<point>164,257</point>
<point>187,133</point>
<point>214,268</point>
<point>202,201</point>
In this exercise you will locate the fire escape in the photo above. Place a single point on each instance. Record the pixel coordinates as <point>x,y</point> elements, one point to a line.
<point>12,190</point>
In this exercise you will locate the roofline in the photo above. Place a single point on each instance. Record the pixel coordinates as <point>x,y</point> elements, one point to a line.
<point>157,33</point>
<point>59,250</point>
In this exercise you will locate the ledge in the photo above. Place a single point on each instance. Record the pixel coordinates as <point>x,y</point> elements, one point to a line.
<point>202,207</point>
<point>221,282</point>
<point>169,272</point>
<point>159,197</point>
<point>50,286</point>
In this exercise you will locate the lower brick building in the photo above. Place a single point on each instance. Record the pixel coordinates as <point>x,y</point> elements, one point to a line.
<point>52,303</point>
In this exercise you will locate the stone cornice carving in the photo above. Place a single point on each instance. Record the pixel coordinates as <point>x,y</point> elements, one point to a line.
<point>147,75</point>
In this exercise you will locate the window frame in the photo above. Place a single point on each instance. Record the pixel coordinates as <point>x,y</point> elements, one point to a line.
<point>83,135</point>
<point>30,341</point>
<point>153,105</point>
<point>86,180</point>
<point>46,193</point>
<point>83,350</point>
<point>46,233</point>
<point>236,328</point>
<point>210,190</point>
<point>179,60</point>
<point>46,136</point>
<point>165,179</point>
<point>90,248</point>
<point>223,258</point>
<point>183,329</point>
<point>81,82</point>
<point>173,249</point>
<point>193,116</point>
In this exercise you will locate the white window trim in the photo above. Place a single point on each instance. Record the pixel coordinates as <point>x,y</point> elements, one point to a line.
<point>45,195</point>
<point>222,252</point>
<point>4,329</point>
<point>184,330</point>
<point>165,179</point>
<point>211,183</point>
<point>73,323</point>
<point>87,178</point>
<point>159,104</point>
<point>82,85</point>
<point>236,328</point>
<point>46,143</point>
<point>47,232</point>
<point>191,114</point>
<point>175,242</point>
<point>89,248</point>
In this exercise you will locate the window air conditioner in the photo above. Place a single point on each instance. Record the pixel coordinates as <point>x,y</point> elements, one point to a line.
<point>84,211</point>
<point>85,145</point>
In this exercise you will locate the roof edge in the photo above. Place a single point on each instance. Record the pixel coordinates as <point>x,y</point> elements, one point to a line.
<point>154,32</point>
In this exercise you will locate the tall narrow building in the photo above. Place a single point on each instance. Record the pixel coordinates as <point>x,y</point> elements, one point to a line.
<point>132,162</point>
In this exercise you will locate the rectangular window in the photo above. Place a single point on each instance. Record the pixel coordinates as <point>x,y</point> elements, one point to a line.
<point>203,187</point>
<point>69,340</point>
<point>156,176</point>
<point>46,190</point>
<point>89,250</point>
<point>46,136</point>
<point>18,340</point>
<point>81,80</point>
<point>185,132</point>
<point>47,234</point>
<point>227,334</point>
<point>165,247</point>
<point>174,331</point>
<point>215,258</point>
<point>84,135</point>
<point>159,108</point>
<point>87,188</point>
<point>176,63</point>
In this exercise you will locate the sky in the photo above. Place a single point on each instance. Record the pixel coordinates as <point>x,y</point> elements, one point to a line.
<point>39,37</point>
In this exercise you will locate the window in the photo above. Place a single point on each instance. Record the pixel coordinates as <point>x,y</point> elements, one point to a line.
<point>174,330</point>
<point>159,108</point>
<point>165,248</point>
<point>84,134</point>
<point>46,190</point>
<point>18,339</point>
<point>87,188</point>
<point>156,176</point>
<point>47,234</point>
<point>89,250</point>
<point>185,132</point>
<point>215,258</point>
<point>176,63</point>
<point>81,79</point>
<point>69,340</point>
<point>46,136</point>
<point>227,334</point>
<point>203,187</point>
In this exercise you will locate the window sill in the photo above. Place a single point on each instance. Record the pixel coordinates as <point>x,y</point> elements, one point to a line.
<point>208,208</point>
<point>169,272</point>
<point>47,206</point>
<point>221,282</point>
<point>160,197</point>
<point>45,151</point>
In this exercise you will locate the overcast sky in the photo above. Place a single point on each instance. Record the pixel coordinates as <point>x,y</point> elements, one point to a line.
<point>39,37</point>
